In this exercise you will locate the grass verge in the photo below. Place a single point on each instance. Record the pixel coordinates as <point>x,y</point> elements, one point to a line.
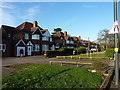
<point>46,76</point>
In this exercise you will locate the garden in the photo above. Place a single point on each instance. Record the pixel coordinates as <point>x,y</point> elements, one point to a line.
<point>47,76</point>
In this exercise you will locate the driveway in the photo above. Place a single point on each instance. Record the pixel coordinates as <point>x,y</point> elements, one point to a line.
<point>8,62</point>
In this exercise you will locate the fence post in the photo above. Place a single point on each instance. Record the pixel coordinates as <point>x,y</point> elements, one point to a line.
<point>61,63</point>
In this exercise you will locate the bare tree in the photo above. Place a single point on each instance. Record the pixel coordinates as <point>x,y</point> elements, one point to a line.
<point>105,40</point>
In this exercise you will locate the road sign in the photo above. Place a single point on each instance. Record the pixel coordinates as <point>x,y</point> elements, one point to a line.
<point>115,28</point>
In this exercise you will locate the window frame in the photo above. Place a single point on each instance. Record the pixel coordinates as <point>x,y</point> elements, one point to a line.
<point>35,36</point>
<point>26,34</point>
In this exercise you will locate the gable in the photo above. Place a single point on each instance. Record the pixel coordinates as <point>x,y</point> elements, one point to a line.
<point>21,43</point>
<point>47,34</point>
<point>30,43</point>
<point>37,31</point>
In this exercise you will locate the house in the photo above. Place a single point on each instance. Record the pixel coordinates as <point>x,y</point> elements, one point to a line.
<point>63,40</point>
<point>26,39</point>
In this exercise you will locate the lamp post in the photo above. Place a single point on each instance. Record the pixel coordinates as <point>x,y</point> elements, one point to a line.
<point>116,46</point>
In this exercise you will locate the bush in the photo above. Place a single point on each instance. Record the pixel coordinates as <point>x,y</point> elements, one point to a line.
<point>81,50</point>
<point>109,52</point>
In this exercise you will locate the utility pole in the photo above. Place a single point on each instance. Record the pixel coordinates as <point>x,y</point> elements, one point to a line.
<point>88,46</point>
<point>116,46</point>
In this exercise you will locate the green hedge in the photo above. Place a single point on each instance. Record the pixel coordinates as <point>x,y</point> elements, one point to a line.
<point>53,53</point>
<point>67,51</point>
<point>81,50</point>
<point>109,52</point>
<point>62,51</point>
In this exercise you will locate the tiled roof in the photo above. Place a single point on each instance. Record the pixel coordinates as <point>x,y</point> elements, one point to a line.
<point>43,31</point>
<point>27,26</point>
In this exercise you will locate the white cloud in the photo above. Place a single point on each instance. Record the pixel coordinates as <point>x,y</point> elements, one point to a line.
<point>7,19</point>
<point>6,5</point>
<point>31,12</point>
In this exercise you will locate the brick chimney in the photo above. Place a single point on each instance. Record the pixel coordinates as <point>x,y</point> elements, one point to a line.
<point>65,33</point>
<point>35,24</point>
<point>79,37</point>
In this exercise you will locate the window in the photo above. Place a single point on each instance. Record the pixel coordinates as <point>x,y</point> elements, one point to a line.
<point>72,42</point>
<point>36,37</point>
<point>2,47</point>
<point>45,38</point>
<point>36,47</point>
<point>26,36</point>
<point>67,41</point>
<point>50,39</point>
<point>57,45</point>
<point>45,47</point>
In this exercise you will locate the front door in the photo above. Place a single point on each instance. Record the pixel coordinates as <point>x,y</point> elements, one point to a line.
<point>29,50</point>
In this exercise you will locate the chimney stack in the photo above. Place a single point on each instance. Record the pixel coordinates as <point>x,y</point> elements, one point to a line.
<point>65,33</point>
<point>35,24</point>
<point>79,37</point>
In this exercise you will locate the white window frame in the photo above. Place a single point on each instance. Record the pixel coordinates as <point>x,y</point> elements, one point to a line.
<point>45,38</point>
<point>67,41</point>
<point>45,47</point>
<point>26,36</point>
<point>1,47</point>
<point>36,47</point>
<point>36,36</point>
<point>50,39</point>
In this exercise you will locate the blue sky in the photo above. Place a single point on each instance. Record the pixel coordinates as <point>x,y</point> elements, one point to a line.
<point>83,19</point>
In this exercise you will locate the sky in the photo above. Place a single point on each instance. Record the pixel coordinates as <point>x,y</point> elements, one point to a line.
<point>83,19</point>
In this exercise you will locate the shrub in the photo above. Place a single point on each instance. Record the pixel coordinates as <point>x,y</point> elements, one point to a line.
<point>81,50</point>
<point>109,52</point>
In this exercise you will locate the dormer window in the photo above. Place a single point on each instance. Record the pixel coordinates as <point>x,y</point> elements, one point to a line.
<point>36,36</point>
<point>26,36</point>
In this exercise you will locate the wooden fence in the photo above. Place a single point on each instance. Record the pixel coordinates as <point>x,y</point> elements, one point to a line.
<point>64,62</point>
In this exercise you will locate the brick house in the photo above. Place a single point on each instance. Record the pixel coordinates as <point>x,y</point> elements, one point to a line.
<point>62,39</point>
<point>26,39</point>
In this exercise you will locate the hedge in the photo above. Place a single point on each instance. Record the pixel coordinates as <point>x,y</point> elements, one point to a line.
<point>62,51</point>
<point>53,53</point>
<point>67,51</point>
<point>81,50</point>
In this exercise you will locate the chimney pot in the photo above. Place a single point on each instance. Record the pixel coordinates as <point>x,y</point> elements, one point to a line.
<point>35,24</point>
<point>65,33</point>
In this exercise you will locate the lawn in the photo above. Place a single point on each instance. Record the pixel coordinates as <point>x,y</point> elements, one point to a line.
<point>84,56</point>
<point>47,76</point>
<point>92,55</point>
